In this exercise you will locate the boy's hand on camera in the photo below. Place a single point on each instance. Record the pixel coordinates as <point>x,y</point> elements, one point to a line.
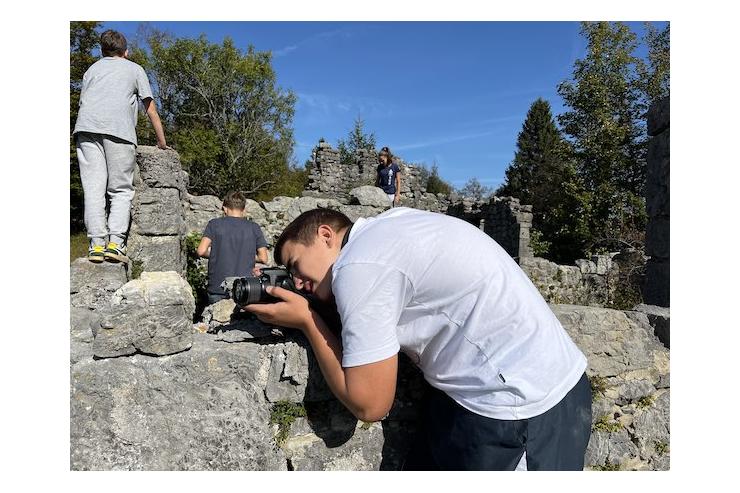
<point>293,311</point>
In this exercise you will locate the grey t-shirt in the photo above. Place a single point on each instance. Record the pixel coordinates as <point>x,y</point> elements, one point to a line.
<point>111,88</point>
<point>234,242</point>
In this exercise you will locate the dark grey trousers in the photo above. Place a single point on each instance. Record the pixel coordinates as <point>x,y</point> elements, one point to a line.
<point>454,438</point>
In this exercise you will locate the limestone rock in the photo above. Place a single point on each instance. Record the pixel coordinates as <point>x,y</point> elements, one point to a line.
<point>197,410</point>
<point>201,209</point>
<point>152,315</point>
<point>660,319</point>
<point>369,195</point>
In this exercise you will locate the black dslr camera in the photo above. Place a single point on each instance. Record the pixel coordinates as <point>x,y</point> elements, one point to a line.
<point>248,290</point>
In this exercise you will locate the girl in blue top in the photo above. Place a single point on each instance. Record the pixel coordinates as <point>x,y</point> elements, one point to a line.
<point>389,176</point>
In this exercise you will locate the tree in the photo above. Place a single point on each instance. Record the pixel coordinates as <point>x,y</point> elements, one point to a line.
<point>656,74</point>
<point>474,189</point>
<point>606,130</point>
<point>225,114</point>
<point>83,40</point>
<point>356,139</point>
<point>435,183</point>
<point>543,175</point>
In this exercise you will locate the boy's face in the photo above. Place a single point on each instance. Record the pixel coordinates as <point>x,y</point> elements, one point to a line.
<point>311,264</point>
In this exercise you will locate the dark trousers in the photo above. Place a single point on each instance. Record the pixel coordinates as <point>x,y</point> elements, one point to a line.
<point>453,438</point>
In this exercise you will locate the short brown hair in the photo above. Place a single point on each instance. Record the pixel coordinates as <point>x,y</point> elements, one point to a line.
<point>235,200</point>
<point>303,229</point>
<point>112,43</point>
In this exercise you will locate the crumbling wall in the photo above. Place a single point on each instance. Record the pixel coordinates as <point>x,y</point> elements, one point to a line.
<point>657,195</point>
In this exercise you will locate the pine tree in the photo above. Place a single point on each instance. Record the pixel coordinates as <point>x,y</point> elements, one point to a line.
<point>656,74</point>
<point>542,175</point>
<point>356,140</point>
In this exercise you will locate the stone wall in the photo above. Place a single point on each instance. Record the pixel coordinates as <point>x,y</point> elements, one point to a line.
<point>589,282</point>
<point>657,195</point>
<point>217,403</point>
<point>328,178</point>
<point>158,212</point>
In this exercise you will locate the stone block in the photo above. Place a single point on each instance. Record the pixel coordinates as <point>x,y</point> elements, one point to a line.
<point>157,253</point>
<point>159,168</point>
<point>157,212</point>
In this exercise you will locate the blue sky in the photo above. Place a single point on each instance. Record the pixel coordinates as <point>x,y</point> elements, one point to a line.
<point>451,93</point>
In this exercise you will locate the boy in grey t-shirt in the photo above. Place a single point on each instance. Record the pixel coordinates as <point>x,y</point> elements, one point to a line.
<point>105,133</point>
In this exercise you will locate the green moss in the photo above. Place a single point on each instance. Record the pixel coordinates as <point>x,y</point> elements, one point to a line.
<point>196,274</point>
<point>661,448</point>
<point>284,413</point>
<point>598,387</point>
<point>604,424</point>
<point>366,425</point>
<point>607,467</point>
<point>645,401</point>
<point>137,267</point>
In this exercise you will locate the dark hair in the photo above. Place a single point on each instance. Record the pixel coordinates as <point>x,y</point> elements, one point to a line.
<point>303,229</point>
<point>235,200</point>
<point>387,152</point>
<point>112,43</point>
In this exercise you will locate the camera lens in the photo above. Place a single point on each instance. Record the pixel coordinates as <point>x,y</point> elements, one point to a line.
<point>247,290</point>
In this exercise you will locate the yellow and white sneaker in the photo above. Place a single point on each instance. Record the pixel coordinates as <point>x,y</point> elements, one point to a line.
<point>96,254</point>
<point>115,253</point>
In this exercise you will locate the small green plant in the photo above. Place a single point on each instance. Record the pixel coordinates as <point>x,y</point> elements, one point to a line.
<point>604,424</point>
<point>598,387</point>
<point>645,401</point>
<point>608,466</point>
<point>661,448</point>
<point>540,246</point>
<point>283,414</point>
<point>366,425</point>
<point>195,273</point>
<point>137,267</point>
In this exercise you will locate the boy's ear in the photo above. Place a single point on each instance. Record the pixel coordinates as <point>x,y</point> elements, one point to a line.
<point>326,234</point>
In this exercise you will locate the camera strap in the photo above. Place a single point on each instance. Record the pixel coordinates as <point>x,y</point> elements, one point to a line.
<point>346,236</point>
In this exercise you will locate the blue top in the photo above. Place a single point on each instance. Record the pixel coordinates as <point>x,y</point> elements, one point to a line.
<point>387,177</point>
<point>234,243</point>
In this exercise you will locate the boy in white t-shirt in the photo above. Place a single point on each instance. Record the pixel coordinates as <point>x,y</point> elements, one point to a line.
<point>509,389</point>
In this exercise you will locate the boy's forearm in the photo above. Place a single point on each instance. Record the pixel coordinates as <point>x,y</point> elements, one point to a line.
<point>328,351</point>
<point>156,124</point>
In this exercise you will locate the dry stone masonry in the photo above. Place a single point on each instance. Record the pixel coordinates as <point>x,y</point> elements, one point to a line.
<point>657,195</point>
<point>151,390</point>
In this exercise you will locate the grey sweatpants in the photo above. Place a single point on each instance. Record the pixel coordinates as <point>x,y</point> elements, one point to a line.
<point>106,167</point>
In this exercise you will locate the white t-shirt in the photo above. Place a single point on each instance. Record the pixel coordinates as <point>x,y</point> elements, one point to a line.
<point>109,101</point>
<point>457,304</point>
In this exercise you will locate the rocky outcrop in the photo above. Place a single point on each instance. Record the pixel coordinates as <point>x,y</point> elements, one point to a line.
<point>151,315</point>
<point>630,376</point>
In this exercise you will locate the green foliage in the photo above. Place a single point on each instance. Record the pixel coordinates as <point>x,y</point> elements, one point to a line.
<point>656,74</point>
<point>543,174</point>
<point>195,273</point>
<point>645,401</point>
<point>356,139</point>
<point>284,413</point>
<point>607,467</point>
<point>598,386</point>
<point>604,424</point>
<point>475,190</point>
<point>434,183</point>
<point>137,267</point>
<point>78,245</point>
<point>540,246</point>
<point>291,185</point>
<point>223,112</point>
<point>606,128</point>
<point>83,41</point>
<point>366,425</point>
<point>661,448</point>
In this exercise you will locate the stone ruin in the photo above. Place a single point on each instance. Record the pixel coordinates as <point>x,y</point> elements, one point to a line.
<point>151,390</point>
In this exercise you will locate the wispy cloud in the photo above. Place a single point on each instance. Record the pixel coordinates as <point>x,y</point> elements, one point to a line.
<point>445,140</point>
<point>343,32</point>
